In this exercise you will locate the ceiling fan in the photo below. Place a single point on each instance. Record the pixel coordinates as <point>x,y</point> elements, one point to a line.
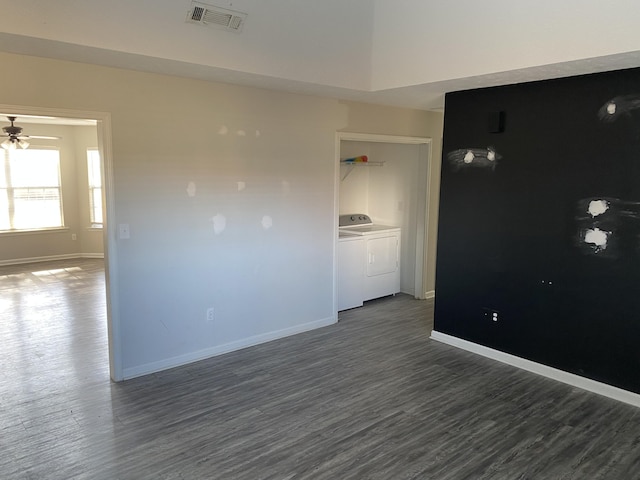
<point>16,139</point>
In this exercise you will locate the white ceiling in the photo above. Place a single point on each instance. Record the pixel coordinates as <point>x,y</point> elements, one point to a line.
<point>412,51</point>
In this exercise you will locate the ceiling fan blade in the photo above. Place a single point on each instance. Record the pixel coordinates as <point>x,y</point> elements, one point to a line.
<point>40,137</point>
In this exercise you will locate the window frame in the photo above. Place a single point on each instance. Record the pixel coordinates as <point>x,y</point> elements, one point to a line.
<point>10,193</point>
<point>92,188</point>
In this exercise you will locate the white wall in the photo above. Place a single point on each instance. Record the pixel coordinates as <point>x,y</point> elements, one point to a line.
<point>265,161</point>
<point>354,180</point>
<point>443,40</point>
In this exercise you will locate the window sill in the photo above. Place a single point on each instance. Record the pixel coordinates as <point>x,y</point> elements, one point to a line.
<point>35,231</point>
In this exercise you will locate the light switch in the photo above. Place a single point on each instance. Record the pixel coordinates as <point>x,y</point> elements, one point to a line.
<point>123,230</point>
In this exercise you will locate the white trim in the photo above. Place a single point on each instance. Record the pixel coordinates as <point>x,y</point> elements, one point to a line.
<point>430,294</point>
<point>544,370</point>
<point>109,240</point>
<point>336,215</point>
<point>34,231</point>
<point>47,258</point>
<point>92,255</point>
<point>374,137</point>
<point>425,171</point>
<point>173,362</point>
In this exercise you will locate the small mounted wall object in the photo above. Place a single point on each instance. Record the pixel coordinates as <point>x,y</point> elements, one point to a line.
<point>496,122</point>
<point>359,159</point>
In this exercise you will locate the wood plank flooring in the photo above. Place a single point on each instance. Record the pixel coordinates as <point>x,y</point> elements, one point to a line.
<point>369,398</point>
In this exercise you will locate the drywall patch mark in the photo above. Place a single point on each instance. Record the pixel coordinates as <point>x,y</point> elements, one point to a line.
<point>468,157</point>
<point>241,133</point>
<point>598,238</point>
<point>241,186</point>
<point>596,211</point>
<point>604,225</point>
<point>257,133</point>
<point>597,207</point>
<point>219,223</point>
<point>618,106</point>
<point>473,157</point>
<point>191,189</point>
<point>267,222</point>
<point>223,130</point>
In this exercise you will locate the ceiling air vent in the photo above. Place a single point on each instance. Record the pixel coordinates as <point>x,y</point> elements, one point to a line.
<point>215,16</point>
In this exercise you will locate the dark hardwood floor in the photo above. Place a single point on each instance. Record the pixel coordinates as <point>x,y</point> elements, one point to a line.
<point>369,398</point>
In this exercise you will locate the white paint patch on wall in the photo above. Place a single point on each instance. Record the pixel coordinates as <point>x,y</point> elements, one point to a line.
<point>473,157</point>
<point>241,133</point>
<point>468,157</point>
<point>219,223</point>
<point>267,222</point>
<point>597,237</point>
<point>191,189</point>
<point>241,186</point>
<point>598,207</point>
<point>223,130</point>
<point>257,133</point>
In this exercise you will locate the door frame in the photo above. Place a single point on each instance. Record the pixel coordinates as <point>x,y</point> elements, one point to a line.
<point>103,128</point>
<point>425,173</point>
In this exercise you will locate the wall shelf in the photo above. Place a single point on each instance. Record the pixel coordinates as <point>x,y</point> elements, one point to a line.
<point>357,164</point>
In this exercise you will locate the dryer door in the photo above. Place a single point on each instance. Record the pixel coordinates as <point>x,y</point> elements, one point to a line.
<point>382,255</point>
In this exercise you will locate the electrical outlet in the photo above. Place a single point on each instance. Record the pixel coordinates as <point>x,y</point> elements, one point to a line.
<point>491,314</point>
<point>124,232</point>
<point>210,314</point>
<point>74,236</point>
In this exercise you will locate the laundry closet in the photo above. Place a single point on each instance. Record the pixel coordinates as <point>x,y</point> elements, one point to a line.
<point>382,205</point>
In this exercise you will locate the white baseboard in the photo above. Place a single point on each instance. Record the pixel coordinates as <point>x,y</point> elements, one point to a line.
<point>92,255</point>
<point>550,372</point>
<point>430,294</point>
<point>49,258</point>
<point>191,357</point>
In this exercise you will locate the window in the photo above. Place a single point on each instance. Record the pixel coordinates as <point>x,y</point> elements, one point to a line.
<point>30,194</point>
<point>95,187</point>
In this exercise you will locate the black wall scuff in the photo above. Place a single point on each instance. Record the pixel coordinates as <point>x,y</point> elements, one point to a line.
<point>539,226</point>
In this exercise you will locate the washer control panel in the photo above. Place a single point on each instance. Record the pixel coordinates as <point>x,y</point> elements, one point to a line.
<point>352,219</point>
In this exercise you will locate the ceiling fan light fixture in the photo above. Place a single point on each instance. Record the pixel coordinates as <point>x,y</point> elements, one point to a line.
<point>13,140</point>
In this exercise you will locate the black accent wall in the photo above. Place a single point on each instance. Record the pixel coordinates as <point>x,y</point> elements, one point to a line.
<point>539,226</point>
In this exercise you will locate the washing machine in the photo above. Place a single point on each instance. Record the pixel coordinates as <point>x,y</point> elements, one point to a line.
<point>380,257</point>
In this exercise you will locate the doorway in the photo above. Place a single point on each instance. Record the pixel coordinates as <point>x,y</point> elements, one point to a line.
<point>392,187</point>
<point>102,122</point>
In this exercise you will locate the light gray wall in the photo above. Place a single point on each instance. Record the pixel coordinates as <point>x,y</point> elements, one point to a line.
<point>229,194</point>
